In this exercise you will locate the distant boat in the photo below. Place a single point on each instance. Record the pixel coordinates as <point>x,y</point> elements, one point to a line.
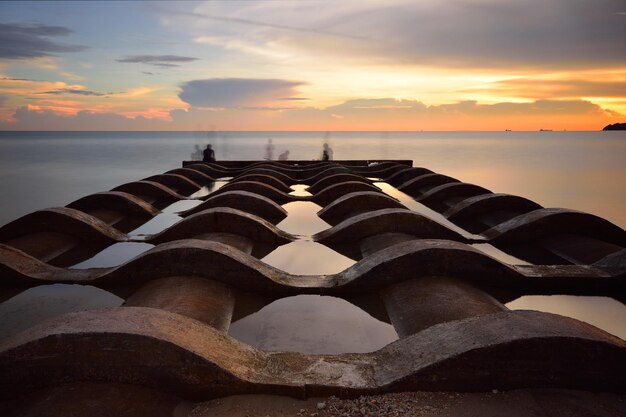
<point>545,130</point>
<point>507,130</point>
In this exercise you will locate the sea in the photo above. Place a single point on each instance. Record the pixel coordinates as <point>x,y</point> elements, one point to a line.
<point>585,171</point>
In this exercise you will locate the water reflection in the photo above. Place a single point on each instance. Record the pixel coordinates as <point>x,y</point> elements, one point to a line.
<point>300,190</point>
<point>313,324</point>
<point>305,257</point>
<point>181,206</point>
<point>302,218</point>
<point>114,255</point>
<point>157,224</point>
<point>41,303</point>
<point>411,204</point>
<point>603,312</point>
<point>209,188</point>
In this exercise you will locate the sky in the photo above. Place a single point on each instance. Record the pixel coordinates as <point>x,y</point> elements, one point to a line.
<point>313,65</point>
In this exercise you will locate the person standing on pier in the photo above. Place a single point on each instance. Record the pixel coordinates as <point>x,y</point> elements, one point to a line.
<point>208,155</point>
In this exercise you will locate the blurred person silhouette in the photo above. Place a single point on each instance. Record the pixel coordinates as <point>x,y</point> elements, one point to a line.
<point>197,155</point>
<point>327,153</point>
<point>208,155</point>
<point>269,150</point>
<point>284,156</point>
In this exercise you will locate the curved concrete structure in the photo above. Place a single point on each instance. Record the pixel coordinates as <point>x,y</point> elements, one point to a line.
<point>184,357</point>
<point>443,196</point>
<point>404,175</point>
<point>117,201</point>
<point>226,220</point>
<point>333,192</point>
<point>243,200</point>
<point>180,183</point>
<point>419,185</point>
<point>255,187</point>
<point>265,179</point>
<point>356,203</point>
<point>194,175</point>
<point>333,179</point>
<point>157,191</point>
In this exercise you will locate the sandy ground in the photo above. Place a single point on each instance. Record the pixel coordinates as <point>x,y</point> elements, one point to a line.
<point>517,403</point>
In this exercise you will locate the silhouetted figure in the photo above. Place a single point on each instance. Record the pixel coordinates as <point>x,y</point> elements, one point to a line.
<point>208,155</point>
<point>197,153</point>
<point>327,153</point>
<point>284,156</point>
<point>269,150</point>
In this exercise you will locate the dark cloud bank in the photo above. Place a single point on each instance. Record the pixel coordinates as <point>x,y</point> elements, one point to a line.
<point>22,41</point>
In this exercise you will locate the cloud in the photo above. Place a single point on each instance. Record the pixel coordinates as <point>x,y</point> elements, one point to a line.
<point>360,114</point>
<point>484,34</point>
<point>161,61</point>
<point>235,92</point>
<point>23,41</point>
<point>550,89</point>
<point>3,99</point>
<point>76,91</point>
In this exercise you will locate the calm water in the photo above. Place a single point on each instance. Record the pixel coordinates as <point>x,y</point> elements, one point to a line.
<point>580,170</point>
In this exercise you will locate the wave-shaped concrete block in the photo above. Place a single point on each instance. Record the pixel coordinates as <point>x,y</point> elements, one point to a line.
<point>356,203</point>
<point>243,200</point>
<point>473,208</point>
<point>550,221</point>
<point>333,179</point>
<point>255,187</point>
<point>284,178</point>
<point>194,175</point>
<point>119,201</point>
<point>408,173</point>
<point>182,356</point>
<point>345,236</point>
<point>63,220</point>
<point>178,182</point>
<point>225,220</point>
<point>211,170</point>
<point>438,197</point>
<point>265,179</point>
<point>335,191</point>
<point>419,185</point>
<point>152,189</point>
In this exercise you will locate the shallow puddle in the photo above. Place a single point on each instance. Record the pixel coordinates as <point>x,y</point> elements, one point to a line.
<point>302,219</point>
<point>300,190</point>
<point>604,312</point>
<point>411,204</point>
<point>313,324</point>
<point>181,206</point>
<point>114,255</point>
<point>304,257</point>
<point>38,304</point>
<point>155,225</point>
<point>209,188</point>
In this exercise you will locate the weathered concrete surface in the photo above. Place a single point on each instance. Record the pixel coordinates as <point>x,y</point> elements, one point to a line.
<point>345,236</point>
<point>420,303</point>
<point>207,301</point>
<point>279,175</point>
<point>184,357</point>
<point>333,179</point>
<point>157,191</point>
<point>224,220</point>
<point>403,175</point>
<point>243,200</point>
<point>274,194</point>
<point>355,203</point>
<point>420,257</point>
<point>265,179</point>
<point>417,186</point>
<point>333,192</point>
<point>444,196</point>
<point>177,182</point>
<point>476,214</point>
<point>119,201</point>
<point>194,175</point>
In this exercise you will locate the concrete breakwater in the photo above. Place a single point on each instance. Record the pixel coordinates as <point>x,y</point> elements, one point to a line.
<point>444,297</point>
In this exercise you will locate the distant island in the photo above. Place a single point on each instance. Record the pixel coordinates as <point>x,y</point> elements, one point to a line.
<point>615,126</point>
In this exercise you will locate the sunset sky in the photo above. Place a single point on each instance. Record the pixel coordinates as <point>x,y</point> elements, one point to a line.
<point>313,65</point>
